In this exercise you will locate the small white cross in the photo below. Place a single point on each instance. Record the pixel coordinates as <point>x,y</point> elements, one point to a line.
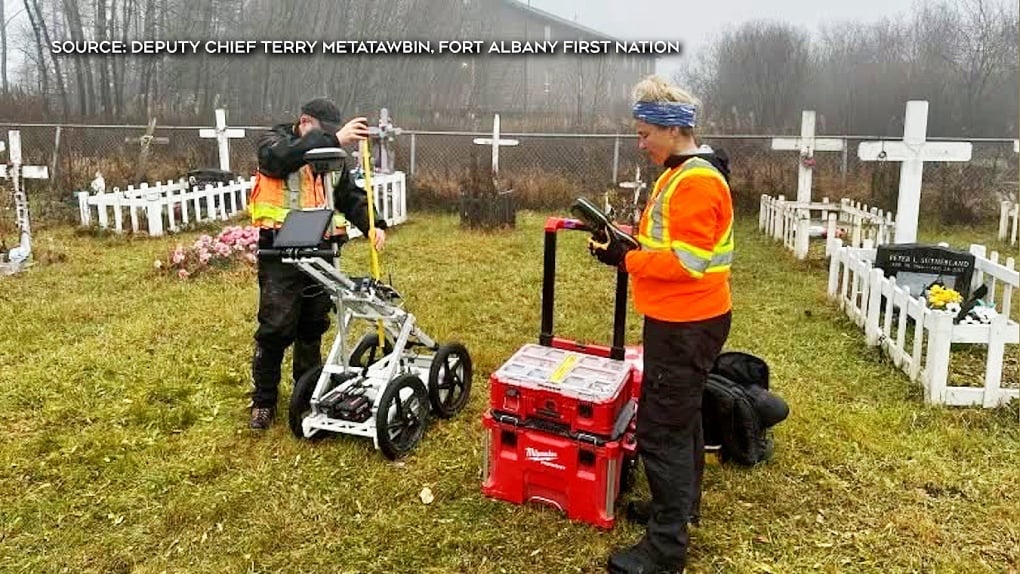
<point>382,135</point>
<point>496,143</point>
<point>222,134</point>
<point>637,184</point>
<point>807,144</point>
<point>913,151</point>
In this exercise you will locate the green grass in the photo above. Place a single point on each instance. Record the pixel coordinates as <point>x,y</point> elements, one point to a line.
<point>124,447</point>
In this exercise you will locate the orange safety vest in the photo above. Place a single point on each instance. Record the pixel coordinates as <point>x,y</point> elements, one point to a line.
<point>272,198</point>
<point>681,273</point>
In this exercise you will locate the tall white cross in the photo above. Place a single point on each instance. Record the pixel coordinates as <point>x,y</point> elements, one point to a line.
<point>16,172</point>
<point>807,144</point>
<point>913,151</point>
<point>496,143</point>
<point>222,134</point>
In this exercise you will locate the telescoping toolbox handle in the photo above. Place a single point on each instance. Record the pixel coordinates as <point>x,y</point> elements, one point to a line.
<point>552,226</point>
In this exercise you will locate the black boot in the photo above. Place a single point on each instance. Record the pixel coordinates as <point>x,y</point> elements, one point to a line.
<point>261,418</point>
<point>639,560</point>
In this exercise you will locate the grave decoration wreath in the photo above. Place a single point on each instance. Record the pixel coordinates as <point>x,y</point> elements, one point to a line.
<point>233,245</point>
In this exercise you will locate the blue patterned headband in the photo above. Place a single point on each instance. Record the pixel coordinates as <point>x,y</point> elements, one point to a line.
<point>665,113</point>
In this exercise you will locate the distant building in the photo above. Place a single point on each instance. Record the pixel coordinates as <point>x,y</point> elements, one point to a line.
<point>556,89</point>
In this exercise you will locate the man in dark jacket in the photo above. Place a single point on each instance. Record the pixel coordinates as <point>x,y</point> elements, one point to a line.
<point>293,308</point>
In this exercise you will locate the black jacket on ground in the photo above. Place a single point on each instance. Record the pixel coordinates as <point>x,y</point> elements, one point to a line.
<point>282,152</point>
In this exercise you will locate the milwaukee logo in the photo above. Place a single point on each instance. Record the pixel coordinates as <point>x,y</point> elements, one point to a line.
<point>539,455</point>
<point>543,457</point>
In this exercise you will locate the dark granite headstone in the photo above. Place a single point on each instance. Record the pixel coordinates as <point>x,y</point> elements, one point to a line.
<point>919,266</point>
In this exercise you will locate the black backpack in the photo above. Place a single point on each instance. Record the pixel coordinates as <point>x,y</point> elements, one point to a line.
<point>738,409</point>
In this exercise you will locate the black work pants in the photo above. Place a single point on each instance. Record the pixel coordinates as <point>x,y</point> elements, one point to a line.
<point>677,360</point>
<point>293,308</point>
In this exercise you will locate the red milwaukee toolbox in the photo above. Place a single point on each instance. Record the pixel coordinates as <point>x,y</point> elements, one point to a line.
<point>581,479</point>
<point>576,387</point>
<point>572,392</point>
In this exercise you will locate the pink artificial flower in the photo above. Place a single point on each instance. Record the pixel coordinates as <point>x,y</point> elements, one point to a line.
<point>183,274</point>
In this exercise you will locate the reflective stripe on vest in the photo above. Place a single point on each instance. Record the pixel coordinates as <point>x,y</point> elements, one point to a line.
<point>653,233</point>
<point>294,190</point>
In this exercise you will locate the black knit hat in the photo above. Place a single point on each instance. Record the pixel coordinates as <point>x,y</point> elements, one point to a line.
<point>324,110</point>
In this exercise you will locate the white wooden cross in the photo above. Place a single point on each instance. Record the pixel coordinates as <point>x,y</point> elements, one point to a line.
<point>222,134</point>
<point>806,144</point>
<point>495,142</point>
<point>913,151</point>
<point>16,172</point>
<point>384,135</point>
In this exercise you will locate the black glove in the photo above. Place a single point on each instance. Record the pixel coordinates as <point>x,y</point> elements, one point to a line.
<point>609,250</point>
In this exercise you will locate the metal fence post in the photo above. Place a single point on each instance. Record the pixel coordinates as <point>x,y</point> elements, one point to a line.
<point>53,162</point>
<point>414,147</point>
<point>616,159</point>
<point>846,144</point>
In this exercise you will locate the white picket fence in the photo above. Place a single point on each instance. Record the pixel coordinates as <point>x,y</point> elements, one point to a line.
<point>790,222</point>
<point>169,205</point>
<point>1008,222</point>
<point>173,205</point>
<point>871,300</point>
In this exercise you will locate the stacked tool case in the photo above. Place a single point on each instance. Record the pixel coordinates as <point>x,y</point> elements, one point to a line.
<point>560,424</point>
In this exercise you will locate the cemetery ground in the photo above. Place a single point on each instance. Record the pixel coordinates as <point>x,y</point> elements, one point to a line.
<point>123,393</point>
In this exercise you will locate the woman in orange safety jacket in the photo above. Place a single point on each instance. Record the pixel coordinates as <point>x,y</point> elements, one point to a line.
<point>681,285</point>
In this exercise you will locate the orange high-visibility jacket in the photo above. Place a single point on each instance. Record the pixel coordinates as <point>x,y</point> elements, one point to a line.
<point>681,273</point>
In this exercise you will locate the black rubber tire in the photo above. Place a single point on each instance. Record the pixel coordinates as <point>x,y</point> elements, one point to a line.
<point>301,403</point>
<point>400,431</point>
<point>449,388</point>
<point>368,347</point>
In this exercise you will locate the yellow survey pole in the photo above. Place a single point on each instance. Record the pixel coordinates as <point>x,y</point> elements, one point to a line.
<point>366,166</point>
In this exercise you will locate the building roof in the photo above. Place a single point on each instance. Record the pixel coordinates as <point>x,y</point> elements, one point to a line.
<point>524,7</point>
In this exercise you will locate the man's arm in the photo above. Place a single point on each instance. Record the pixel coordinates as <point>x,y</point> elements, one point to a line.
<point>281,152</point>
<point>352,201</point>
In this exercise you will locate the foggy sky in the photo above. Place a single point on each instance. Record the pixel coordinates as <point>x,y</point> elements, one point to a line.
<point>696,24</point>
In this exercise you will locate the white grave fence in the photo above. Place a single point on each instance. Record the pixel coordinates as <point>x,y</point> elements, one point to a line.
<point>166,206</point>
<point>792,222</point>
<point>919,340</point>
<point>173,204</point>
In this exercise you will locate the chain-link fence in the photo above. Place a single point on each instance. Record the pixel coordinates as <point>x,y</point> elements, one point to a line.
<point>544,170</point>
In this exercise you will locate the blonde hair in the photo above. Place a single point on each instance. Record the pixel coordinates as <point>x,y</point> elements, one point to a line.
<point>657,89</point>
